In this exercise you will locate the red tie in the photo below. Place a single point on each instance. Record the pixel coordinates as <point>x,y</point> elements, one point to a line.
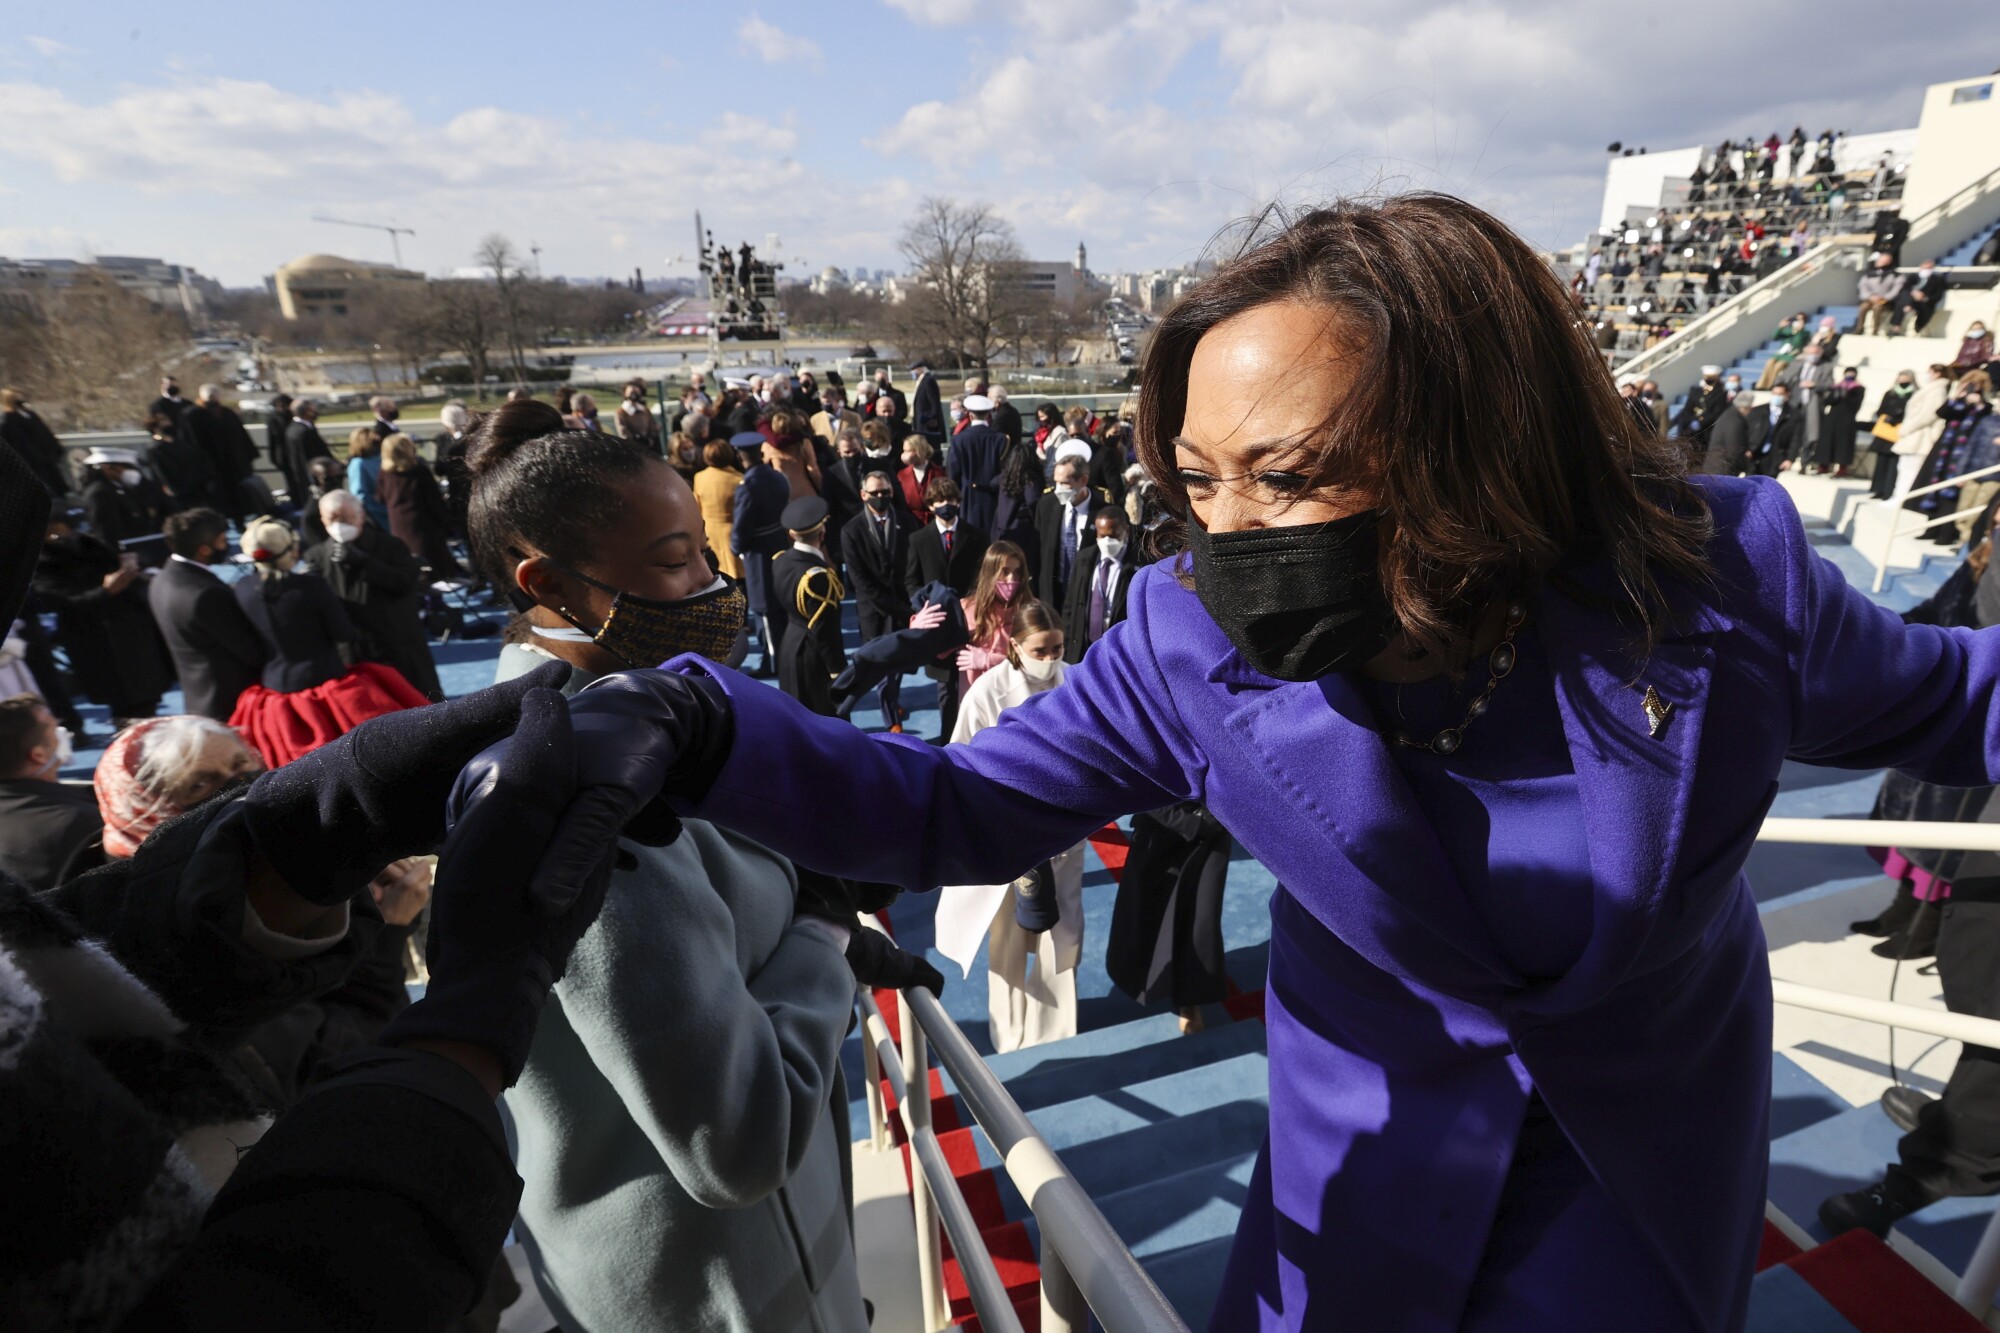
<point>947,543</point>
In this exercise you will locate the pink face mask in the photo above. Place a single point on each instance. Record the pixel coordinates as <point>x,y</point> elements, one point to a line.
<point>1006,588</point>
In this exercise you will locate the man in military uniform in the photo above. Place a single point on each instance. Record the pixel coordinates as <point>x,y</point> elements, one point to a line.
<point>810,654</point>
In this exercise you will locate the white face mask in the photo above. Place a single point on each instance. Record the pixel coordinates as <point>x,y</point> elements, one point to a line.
<point>65,750</point>
<point>1111,547</point>
<point>1067,494</point>
<point>131,476</point>
<point>343,532</point>
<point>1040,673</point>
<point>958,414</point>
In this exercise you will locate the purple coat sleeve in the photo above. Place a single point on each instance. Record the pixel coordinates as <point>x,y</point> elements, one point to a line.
<point>1869,691</point>
<point>1105,743</point>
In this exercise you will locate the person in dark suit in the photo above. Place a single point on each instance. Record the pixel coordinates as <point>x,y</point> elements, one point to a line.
<point>1063,527</point>
<point>974,462</point>
<point>419,515</point>
<point>216,650</point>
<point>280,422</point>
<point>102,620</point>
<point>169,404</point>
<point>121,501</point>
<point>1704,406</point>
<point>30,437</point>
<point>231,454</point>
<point>301,444</point>
<point>50,831</point>
<point>1774,431</point>
<point>811,654</point>
<point>304,627</point>
<point>1728,452</point>
<point>899,405</point>
<point>1923,296</point>
<point>875,544</point>
<point>1098,588</point>
<point>926,407</point>
<point>1006,416</point>
<point>948,550</point>
<point>184,474</point>
<point>380,586</point>
<point>756,533</point>
<point>840,485</point>
<point>386,413</point>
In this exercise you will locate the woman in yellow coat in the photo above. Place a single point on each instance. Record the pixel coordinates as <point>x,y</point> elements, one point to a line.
<point>715,487</point>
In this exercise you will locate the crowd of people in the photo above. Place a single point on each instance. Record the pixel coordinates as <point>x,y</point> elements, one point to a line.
<point>1439,667</point>
<point>1739,218</point>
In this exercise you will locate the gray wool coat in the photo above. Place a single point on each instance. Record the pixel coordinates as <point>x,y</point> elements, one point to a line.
<point>677,1125</point>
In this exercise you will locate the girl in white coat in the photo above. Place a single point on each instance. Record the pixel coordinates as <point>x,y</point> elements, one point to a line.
<point>1030,975</point>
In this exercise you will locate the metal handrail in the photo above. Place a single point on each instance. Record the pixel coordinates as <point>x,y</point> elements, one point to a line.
<point>1899,528</point>
<point>932,1184</point>
<point>1916,834</point>
<point>1118,1291</point>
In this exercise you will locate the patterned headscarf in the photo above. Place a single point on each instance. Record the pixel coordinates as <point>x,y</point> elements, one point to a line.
<point>131,793</point>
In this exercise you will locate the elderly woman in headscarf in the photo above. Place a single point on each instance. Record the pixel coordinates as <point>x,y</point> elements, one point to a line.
<point>309,694</point>
<point>161,767</point>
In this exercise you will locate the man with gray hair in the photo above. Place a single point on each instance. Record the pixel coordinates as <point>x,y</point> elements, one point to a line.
<point>1006,416</point>
<point>449,449</point>
<point>381,587</point>
<point>301,444</point>
<point>1729,439</point>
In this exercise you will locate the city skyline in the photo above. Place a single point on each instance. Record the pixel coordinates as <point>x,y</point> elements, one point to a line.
<point>1139,126</point>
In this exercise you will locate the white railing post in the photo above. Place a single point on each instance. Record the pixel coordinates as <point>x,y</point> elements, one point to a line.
<point>917,1118</point>
<point>871,1070</point>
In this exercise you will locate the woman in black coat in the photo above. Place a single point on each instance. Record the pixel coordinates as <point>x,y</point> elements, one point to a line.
<point>419,514</point>
<point>1841,408</point>
<point>102,621</point>
<point>302,623</point>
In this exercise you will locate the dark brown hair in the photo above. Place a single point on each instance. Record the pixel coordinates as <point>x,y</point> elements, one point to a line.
<point>1482,419</point>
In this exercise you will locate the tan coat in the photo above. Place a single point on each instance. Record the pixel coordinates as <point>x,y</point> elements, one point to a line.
<point>1921,423</point>
<point>715,491</point>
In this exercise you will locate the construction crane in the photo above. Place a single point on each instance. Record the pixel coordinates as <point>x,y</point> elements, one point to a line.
<point>394,232</point>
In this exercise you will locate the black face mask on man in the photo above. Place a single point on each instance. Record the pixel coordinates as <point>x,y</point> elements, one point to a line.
<point>1297,602</point>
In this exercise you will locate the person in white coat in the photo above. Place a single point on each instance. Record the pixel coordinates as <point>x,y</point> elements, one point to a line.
<point>1030,975</point>
<point>1921,429</point>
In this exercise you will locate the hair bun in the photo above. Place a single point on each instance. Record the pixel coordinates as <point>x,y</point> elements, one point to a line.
<point>505,429</point>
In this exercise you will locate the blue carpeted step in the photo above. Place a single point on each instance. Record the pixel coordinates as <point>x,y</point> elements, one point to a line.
<point>1799,1100</point>
<point>1783,1302</point>
<point>1191,1207</point>
<point>1850,1151</point>
<point>1830,1156</point>
<point>1966,252</point>
<point>1148,1057</point>
<point>1122,1161</point>
<point>1190,1277</point>
<point>1073,1125</point>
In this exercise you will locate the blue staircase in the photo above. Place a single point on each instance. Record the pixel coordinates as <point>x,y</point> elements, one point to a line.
<point>1961,255</point>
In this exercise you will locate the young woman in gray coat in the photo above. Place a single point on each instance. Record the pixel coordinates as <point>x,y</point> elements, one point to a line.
<point>681,1123</point>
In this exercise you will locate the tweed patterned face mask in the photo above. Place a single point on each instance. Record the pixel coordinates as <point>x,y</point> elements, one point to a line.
<point>645,632</point>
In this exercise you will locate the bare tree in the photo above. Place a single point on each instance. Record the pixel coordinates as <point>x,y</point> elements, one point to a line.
<point>510,284</point>
<point>966,262</point>
<point>90,351</point>
<point>466,312</point>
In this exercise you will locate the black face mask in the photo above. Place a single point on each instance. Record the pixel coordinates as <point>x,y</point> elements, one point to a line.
<point>1297,602</point>
<point>877,501</point>
<point>947,512</point>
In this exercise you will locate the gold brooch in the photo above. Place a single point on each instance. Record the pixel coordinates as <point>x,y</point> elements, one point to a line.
<point>1658,713</point>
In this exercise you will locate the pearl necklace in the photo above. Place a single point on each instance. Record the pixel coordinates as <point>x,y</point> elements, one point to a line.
<point>1499,665</point>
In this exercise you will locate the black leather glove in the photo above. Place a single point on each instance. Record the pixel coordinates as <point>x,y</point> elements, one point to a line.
<point>645,734</point>
<point>522,875</point>
<point>877,961</point>
<point>329,821</point>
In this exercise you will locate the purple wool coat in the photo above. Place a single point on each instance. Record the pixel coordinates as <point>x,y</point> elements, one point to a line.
<point>1402,1047</point>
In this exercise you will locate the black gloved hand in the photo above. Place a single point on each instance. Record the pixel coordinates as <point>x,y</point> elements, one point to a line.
<point>644,734</point>
<point>522,875</point>
<point>329,821</point>
<point>876,960</point>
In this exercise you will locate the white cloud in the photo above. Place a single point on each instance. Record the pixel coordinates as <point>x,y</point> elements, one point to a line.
<point>774,46</point>
<point>48,47</point>
<point>937,13</point>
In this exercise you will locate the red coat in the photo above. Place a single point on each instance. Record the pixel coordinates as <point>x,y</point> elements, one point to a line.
<point>913,490</point>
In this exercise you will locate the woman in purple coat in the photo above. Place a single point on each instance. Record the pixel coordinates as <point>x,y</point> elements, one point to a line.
<point>1499,697</point>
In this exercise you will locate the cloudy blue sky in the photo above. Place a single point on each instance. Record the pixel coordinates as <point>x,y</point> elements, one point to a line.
<point>211,132</point>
